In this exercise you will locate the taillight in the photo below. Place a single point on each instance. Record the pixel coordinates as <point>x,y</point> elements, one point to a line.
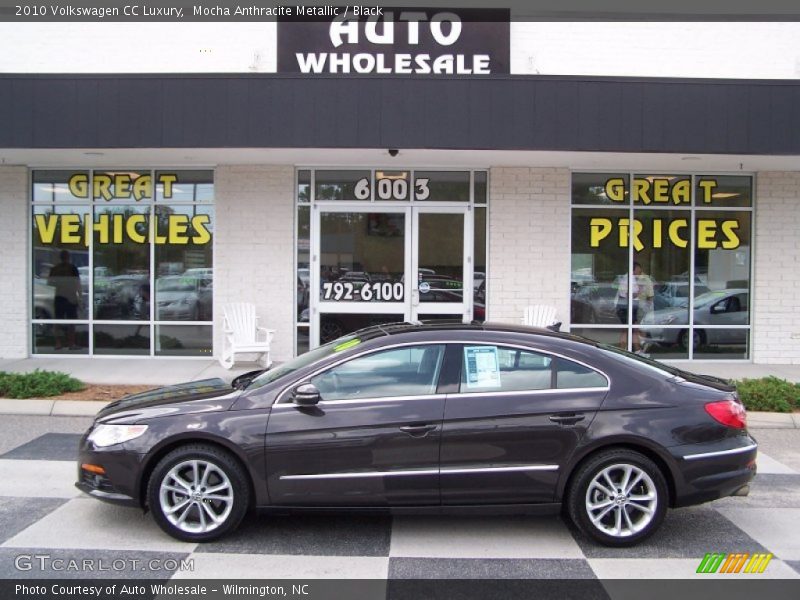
<point>728,412</point>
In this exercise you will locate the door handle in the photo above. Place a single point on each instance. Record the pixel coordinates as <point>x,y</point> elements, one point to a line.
<point>418,430</point>
<point>567,419</point>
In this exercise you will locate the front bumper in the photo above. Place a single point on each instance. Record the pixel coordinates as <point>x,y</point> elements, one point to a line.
<point>712,471</point>
<point>106,496</point>
<point>119,483</point>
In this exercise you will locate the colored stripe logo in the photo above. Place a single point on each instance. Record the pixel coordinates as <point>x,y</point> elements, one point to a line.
<point>719,562</point>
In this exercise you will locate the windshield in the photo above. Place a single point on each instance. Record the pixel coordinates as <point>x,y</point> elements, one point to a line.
<point>337,345</point>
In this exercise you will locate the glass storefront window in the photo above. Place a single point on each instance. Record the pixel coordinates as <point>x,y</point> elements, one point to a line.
<point>60,262</point>
<point>723,191</point>
<point>183,262</point>
<point>60,186</point>
<point>92,260</point>
<point>342,185</point>
<point>479,272</point>
<point>689,247</point>
<point>441,186</point>
<point>122,263</point>
<point>601,188</point>
<point>304,186</point>
<point>481,193</point>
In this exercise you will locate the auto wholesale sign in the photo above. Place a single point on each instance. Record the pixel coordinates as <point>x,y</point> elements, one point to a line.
<point>396,41</point>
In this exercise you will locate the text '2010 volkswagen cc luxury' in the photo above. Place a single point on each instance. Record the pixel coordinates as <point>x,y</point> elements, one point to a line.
<point>428,419</point>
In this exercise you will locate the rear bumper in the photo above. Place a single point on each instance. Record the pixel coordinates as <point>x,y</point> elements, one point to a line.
<point>712,471</point>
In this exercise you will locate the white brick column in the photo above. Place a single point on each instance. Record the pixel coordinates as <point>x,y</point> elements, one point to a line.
<point>14,275</point>
<point>776,279</point>
<point>254,248</point>
<point>529,241</point>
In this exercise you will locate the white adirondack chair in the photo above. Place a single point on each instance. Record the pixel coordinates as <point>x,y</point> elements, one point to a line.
<point>541,315</point>
<point>243,335</point>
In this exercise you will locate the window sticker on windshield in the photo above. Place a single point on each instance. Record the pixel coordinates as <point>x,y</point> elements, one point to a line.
<point>482,367</point>
<point>346,345</point>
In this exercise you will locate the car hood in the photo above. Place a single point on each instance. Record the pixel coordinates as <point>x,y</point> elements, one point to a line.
<point>207,395</point>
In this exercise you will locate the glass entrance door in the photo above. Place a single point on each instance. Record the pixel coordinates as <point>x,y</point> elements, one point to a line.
<point>440,264</point>
<point>387,264</point>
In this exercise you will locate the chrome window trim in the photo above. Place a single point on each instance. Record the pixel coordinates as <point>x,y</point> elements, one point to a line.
<point>524,392</point>
<point>739,450</point>
<point>370,400</point>
<point>281,399</point>
<point>441,471</point>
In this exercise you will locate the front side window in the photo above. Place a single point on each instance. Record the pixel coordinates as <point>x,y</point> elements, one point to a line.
<point>406,371</point>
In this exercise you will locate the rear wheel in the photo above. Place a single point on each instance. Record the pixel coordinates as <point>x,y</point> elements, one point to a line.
<point>198,493</point>
<point>618,498</point>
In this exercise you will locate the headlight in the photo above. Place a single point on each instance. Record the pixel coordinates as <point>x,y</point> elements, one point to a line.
<point>108,435</point>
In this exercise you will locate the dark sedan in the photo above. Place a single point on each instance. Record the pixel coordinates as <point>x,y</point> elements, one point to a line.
<point>429,419</point>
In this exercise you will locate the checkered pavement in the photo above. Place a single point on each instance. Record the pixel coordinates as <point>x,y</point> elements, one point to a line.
<point>42,513</point>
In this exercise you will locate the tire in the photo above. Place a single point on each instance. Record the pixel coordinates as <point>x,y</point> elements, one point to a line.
<point>624,521</point>
<point>699,339</point>
<point>194,522</point>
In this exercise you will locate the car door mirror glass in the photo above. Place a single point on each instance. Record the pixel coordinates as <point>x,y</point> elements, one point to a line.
<point>306,394</point>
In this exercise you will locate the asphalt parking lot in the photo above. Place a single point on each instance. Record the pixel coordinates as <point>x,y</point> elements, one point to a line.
<point>42,514</point>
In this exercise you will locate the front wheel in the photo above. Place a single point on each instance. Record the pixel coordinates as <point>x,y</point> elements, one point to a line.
<point>198,493</point>
<point>618,498</point>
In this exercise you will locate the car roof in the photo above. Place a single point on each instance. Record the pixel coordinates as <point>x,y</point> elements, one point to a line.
<point>431,326</point>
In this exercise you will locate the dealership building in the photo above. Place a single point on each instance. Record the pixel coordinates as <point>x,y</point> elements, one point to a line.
<point>340,174</point>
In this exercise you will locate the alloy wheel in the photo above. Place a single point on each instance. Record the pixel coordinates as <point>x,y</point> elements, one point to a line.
<point>196,496</point>
<point>621,500</point>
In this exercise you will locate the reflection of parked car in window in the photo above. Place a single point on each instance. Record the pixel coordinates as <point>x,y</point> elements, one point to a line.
<point>180,298</point>
<point>676,294</point>
<point>595,303</point>
<point>43,299</point>
<point>116,299</point>
<point>720,307</point>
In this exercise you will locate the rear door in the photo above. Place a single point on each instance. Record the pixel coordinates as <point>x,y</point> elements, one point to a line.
<point>514,423</point>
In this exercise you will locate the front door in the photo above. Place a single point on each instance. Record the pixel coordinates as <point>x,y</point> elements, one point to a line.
<point>388,263</point>
<point>373,439</point>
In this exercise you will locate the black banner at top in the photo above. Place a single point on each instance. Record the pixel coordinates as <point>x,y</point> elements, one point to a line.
<point>396,41</point>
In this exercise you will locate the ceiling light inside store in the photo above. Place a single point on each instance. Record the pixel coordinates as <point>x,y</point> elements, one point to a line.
<point>725,195</point>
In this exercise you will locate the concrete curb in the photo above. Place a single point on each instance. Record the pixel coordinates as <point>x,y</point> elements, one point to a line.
<point>88,408</point>
<point>55,408</point>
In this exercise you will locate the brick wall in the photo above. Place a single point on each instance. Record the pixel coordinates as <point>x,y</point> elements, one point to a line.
<point>14,263</point>
<point>776,294</point>
<point>254,248</point>
<point>529,241</point>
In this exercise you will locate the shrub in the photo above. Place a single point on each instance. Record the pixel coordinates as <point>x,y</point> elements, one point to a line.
<point>769,394</point>
<point>38,384</point>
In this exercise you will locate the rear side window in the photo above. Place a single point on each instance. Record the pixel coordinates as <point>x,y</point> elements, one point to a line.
<point>571,375</point>
<point>502,369</point>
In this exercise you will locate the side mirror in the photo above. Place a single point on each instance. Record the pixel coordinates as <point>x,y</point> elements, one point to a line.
<point>718,308</point>
<point>306,395</point>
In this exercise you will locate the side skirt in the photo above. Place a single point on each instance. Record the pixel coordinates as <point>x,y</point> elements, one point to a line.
<point>492,509</point>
